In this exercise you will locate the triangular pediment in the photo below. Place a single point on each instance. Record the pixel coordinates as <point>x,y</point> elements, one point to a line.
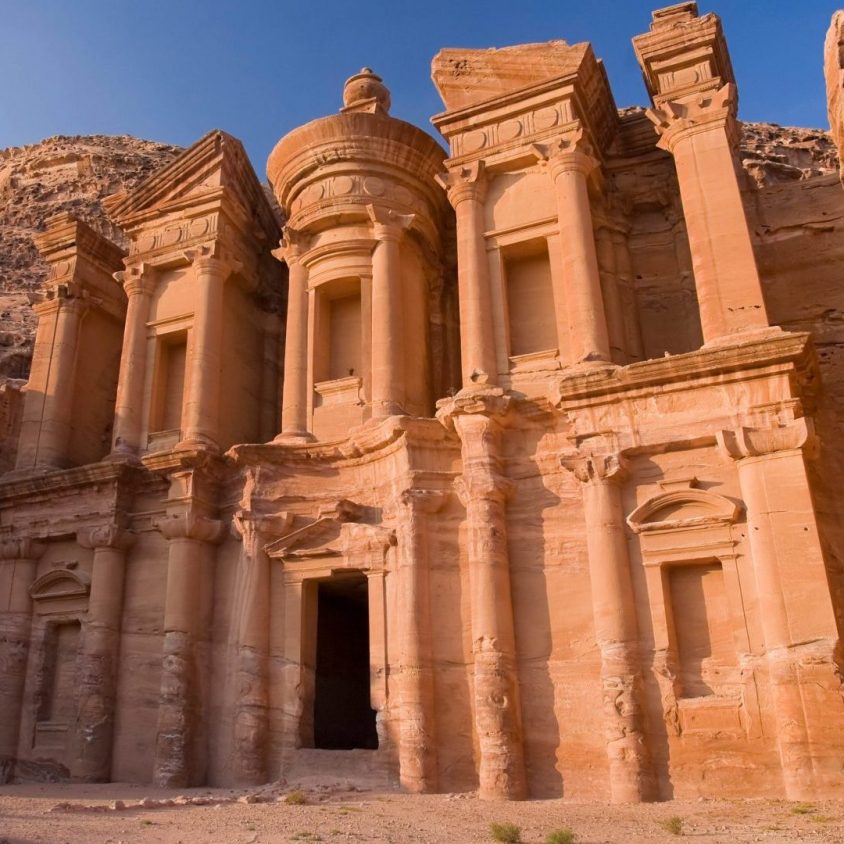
<point>215,165</point>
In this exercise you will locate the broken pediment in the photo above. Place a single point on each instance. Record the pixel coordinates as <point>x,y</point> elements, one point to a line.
<point>321,537</point>
<point>214,164</point>
<point>683,508</point>
<point>466,77</point>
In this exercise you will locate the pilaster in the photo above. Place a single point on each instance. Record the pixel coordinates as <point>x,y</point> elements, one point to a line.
<point>797,616</point>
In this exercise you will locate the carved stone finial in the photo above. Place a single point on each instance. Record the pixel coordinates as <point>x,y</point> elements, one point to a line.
<point>366,91</point>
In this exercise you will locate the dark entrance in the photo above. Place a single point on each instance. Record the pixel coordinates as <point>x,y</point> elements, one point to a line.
<point>343,718</point>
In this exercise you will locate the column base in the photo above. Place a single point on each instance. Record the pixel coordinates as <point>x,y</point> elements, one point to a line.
<point>293,438</point>
<point>752,335</point>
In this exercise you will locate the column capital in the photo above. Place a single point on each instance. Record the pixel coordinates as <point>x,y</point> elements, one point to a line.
<point>256,529</point>
<point>427,501</point>
<point>569,152</point>
<point>611,467</point>
<point>205,259</point>
<point>485,402</point>
<point>293,245</point>
<point>744,442</point>
<point>24,548</point>
<point>676,120</point>
<point>388,224</point>
<point>137,279</point>
<point>190,526</point>
<point>465,182</point>
<point>105,536</point>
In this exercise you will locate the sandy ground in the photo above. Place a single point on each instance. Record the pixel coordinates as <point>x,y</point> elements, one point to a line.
<point>61,814</point>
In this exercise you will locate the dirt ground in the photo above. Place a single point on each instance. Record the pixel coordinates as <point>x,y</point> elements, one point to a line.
<point>67,814</point>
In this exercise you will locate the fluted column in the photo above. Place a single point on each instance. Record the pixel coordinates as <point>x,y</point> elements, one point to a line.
<point>616,629</point>
<point>179,757</point>
<point>139,283</point>
<point>387,312</point>
<point>702,135</point>
<point>202,402</point>
<point>99,651</point>
<point>484,491</point>
<point>569,165</point>
<point>294,403</point>
<point>466,188</point>
<point>795,606</point>
<point>417,737</point>
<point>18,561</point>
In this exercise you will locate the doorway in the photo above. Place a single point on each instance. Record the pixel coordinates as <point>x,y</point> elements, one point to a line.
<point>343,716</point>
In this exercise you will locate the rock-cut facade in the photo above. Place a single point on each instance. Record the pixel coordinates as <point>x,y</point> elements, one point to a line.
<point>513,469</point>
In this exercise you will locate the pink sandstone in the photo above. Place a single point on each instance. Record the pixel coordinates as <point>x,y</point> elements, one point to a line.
<point>511,469</point>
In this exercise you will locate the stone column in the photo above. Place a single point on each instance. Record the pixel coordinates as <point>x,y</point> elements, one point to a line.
<point>387,312</point>
<point>18,561</point>
<point>466,188</point>
<point>202,402</point>
<point>569,165</point>
<point>139,283</point>
<point>251,618</point>
<point>48,407</point>
<point>616,629</point>
<point>97,663</point>
<point>702,136</point>
<point>795,607</point>
<point>179,757</point>
<point>417,737</point>
<point>294,403</point>
<point>484,491</point>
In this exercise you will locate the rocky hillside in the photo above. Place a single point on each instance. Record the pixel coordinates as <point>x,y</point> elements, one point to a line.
<point>59,174</point>
<point>76,173</point>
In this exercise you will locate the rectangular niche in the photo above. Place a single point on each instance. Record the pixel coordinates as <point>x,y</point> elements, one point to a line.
<point>169,390</point>
<point>530,298</point>
<point>703,633</point>
<point>338,348</point>
<point>58,702</point>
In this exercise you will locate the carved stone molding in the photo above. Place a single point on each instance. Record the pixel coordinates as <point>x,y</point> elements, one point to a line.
<point>21,549</point>
<point>190,526</point>
<point>743,442</point>
<point>105,536</point>
<point>596,468</point>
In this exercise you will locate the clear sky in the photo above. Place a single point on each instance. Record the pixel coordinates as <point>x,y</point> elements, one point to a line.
<point>170,70</point>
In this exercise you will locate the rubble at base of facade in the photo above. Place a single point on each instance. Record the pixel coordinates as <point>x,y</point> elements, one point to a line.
<point>514,469</point>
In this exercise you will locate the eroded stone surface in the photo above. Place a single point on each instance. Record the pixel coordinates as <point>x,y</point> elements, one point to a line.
<point>512,470</point>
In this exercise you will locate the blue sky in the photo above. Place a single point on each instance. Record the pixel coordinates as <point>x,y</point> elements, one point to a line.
<point>170,70</point>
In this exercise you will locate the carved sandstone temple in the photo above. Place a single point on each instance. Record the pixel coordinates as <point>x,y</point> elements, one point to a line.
<point>513,469</point>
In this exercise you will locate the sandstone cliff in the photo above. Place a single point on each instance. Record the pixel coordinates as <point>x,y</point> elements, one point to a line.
<point>75,173</point>
<point>58,174</point>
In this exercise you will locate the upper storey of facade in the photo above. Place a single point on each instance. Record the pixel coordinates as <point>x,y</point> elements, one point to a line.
<point>364,243</point>
<point>586,239</point>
